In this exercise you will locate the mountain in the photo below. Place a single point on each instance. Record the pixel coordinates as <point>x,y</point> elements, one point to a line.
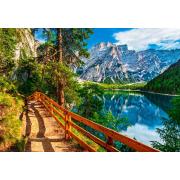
<point>137,108</point>
<point>27,44</point>
<point>167,82</point>
<point>116,63</point>
<point>26,47</point>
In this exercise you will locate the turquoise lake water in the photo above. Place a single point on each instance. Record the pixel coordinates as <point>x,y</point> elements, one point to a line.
<point>145,113</point>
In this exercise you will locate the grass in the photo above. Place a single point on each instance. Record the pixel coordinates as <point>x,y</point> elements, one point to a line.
<point>88,141</point>
<point>10,124</point>
<point>84,138</point>
<point>115,86</point>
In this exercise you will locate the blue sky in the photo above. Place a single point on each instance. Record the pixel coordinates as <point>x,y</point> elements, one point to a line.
<point>99,35</point>
<point>136,38</point>
<point>104,35</point>
<point>38,35</point>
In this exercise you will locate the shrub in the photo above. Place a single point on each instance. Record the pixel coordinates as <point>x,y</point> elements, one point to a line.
<point>10,124</point>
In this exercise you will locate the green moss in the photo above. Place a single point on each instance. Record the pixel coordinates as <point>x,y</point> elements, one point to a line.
<point>10,124</point>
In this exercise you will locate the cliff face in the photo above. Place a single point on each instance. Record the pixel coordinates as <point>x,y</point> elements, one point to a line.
<point>26,43</point>
<point>26,47</point>
<point>116,63</point>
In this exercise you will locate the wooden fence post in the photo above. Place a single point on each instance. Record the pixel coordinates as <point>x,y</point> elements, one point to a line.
<point>69,120</point>
<point>39,97</point>
<point>34,96</point>
<point>50,107</point>
<point>110,141</point>
<point>67,125</point>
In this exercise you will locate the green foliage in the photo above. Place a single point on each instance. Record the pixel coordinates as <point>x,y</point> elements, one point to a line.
<point>175,111</point>
<point>10,124</point>
<point>114,86</point>
<point>20,145</point>
<point>91,100</point>
<point>108,120</point>
<point>29,75</point>
<point>170,133</point>
<point>8,42</point>
<point>108,80</point>
<point>123,147</point>
<point>73,46</point>
<point>74,39</point>
<point>55,71</point>
<point>167,82</point>
<point>7,86</point>
<point>91,107</point>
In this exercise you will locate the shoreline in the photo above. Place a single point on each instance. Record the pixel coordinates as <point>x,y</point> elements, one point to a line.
<point>138,90</point>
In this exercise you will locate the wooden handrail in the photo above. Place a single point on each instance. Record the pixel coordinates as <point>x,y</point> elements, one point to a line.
<point>69,118</point>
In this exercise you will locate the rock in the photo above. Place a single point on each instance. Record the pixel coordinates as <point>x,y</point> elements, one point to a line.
<point>115,63</point>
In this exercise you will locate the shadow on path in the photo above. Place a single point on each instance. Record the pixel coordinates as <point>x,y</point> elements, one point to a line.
<point>41,124</point>
<point>37,141</point>
<point>42,129</point>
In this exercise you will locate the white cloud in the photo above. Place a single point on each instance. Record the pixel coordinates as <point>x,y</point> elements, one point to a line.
<point>142,133</point>
<point>140,39</point>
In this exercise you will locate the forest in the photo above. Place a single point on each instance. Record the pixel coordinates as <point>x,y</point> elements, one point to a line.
<point>27,66</point>
<point>47,67</point>
<point>168,82</point>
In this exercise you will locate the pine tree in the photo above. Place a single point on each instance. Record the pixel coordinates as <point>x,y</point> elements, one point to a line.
<point>69,45</point>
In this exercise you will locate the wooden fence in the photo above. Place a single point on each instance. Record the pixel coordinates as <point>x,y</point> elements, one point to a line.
<point>68,121</point>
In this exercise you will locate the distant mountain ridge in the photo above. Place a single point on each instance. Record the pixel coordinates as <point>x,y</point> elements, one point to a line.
<point>116,63</point>
<point>167,82</point>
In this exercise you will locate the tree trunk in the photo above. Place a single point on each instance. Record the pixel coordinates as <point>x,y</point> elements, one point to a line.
<point>45,61</point>
<point>60,83</point>
<point>60,50</point>
<point>61,99</point>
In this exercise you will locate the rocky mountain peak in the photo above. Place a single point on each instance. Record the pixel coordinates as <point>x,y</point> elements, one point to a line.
<point>114,52</point>
<point>115,63</point>
<point>102,46</point>
<point>123,48</point>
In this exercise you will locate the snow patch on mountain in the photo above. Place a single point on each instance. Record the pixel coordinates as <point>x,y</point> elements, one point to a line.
<point>116,63</point>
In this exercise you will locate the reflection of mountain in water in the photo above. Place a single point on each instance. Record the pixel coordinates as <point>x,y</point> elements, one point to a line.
<point>148,110</point>
<point>160,100</point>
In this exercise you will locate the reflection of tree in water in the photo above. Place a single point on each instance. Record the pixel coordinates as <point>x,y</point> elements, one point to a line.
<point>170,133</point>
<point>137,107</point>
<point>91,107</point>
<point>162,101</point>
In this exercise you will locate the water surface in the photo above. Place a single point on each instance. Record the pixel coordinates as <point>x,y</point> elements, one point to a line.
<point>145,112</point>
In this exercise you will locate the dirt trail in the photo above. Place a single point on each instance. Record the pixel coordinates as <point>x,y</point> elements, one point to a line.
<point>43,132</point>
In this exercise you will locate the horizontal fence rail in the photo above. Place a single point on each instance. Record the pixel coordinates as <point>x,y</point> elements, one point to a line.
<point>68,121</point>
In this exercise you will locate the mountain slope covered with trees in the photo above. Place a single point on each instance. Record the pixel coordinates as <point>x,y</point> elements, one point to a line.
<point>27,65</point>
<point>167,82</point>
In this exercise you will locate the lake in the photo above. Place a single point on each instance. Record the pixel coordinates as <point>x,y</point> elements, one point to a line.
<point>145,113</point>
